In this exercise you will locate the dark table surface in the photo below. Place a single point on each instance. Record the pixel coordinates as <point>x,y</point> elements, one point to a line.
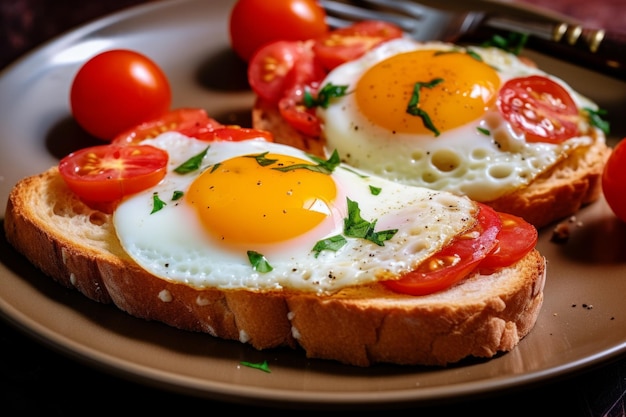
<point>36,380</point>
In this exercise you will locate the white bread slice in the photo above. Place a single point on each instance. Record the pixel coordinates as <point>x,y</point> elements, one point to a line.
<point>558,193</point>
<point>77,246</point>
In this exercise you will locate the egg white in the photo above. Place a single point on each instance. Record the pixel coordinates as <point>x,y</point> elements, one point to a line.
<point>172,244</point>
<point>485,166</point>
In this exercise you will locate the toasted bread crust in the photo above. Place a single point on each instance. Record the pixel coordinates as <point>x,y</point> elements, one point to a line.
<point>571,184</point>
<point>77,247</point>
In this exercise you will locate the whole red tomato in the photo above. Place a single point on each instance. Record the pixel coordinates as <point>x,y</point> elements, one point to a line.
<point>614,180</point>
<point>116,90</point>
<point>254,23</point>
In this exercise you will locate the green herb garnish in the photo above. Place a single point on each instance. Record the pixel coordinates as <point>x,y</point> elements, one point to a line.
<point>375,190</point>
<point>258,262</point>
<point>263,366</point>
<point>324,95</point>
<point>261,159</point>
<point>469,52</point>
<point>192,163</point>
<point>484,131</point>
<point>595,118</point>
<point>513,43</point>
<point>415,98</point>
<point>323,166</point>
<point>157,203</point>
<point>333,243</point>
<point>177,195</point>
<point>355,226</point>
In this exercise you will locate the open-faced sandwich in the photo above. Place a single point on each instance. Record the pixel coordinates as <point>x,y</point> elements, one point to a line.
<point>473,120</point>
<point>220,230</point>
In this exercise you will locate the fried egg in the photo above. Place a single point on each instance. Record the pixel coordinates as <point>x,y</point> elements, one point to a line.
<point>264,216</point>
<point>476,151</point>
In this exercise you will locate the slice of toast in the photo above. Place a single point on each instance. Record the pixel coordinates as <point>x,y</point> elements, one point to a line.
<point>479,317</point>
<point>556,194</point>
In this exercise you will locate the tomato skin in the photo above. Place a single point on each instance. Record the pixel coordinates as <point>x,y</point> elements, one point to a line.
<point>614,180</point>
<point>469,250</point>
<point>348,43</point>
<point>193,122</point>
<point>254,23</point>
<point>116,90</point>
<point>540,108</point>
<point>106,173</point>
<point>516,238</point>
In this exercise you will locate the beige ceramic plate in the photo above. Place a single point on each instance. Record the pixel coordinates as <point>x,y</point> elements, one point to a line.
<point>189,40</point>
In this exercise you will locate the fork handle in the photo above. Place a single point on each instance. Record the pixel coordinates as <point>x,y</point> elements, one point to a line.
<point>598,49</point>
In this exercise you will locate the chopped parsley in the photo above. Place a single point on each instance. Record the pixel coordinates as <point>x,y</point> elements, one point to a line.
<point>413,108</point>
<point>157,203</point>
<point>262,160</point>
<point>192,164</point>
<point>258,262</point>
<point>323,166</point>
<point>263,366</point>
<point>324,95</point>
<point>484,131</point>
<point>513,43</point>
<point>375,190</point>
<point>357,227</point>
<point>469,52</point>
<point>595,118</point>
<point>333,243</point>
<point>177,195</point>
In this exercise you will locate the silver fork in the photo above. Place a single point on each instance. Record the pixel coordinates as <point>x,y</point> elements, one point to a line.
<point>596,49</point>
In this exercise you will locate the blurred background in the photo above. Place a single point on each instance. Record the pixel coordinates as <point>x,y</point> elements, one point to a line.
<point>25,24</point>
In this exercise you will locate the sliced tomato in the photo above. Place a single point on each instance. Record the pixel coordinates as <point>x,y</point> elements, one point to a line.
<point>279,67</point>
<point>614,180</point>
<point>540,108</point>
<point>236,134</point>
<point>270,69</point>
<point>193,122</point>
<point>350,42</point>
<point>300,117</point>
<point>106,173</point>
<point>455,261</point>
<point>516,238</point>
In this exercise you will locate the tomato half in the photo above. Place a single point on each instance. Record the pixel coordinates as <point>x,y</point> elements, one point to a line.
<point>455,261</point>
<point>254,23</point>
<point>106,173</point>
<point>516,238</point>
<point>540,108</point>
<point>236,134</point>
<point>614,180</point>
<point>193,122</point>
<point>348,43</point>
<point>116,90</point>
<point>300,117</point>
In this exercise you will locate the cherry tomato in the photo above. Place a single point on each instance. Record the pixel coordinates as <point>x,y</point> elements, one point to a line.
<point>455,261</point>
<point>106,173</point>
<point>254,23</point>
<point>193,122</point>
<point>614,180</point>
<point>516,238</point>
<point>301,118</point>
<point>116,90</point>
<point>280,67</point>
<point>350,42</point>
<point>540,108</point>
<point>236,134</point>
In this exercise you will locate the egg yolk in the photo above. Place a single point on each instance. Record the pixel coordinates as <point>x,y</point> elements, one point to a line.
<point>466,88</point>
<point>262,198</point>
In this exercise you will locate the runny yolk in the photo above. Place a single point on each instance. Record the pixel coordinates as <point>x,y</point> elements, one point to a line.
<point>467,89</point>
<point>243,201</point>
